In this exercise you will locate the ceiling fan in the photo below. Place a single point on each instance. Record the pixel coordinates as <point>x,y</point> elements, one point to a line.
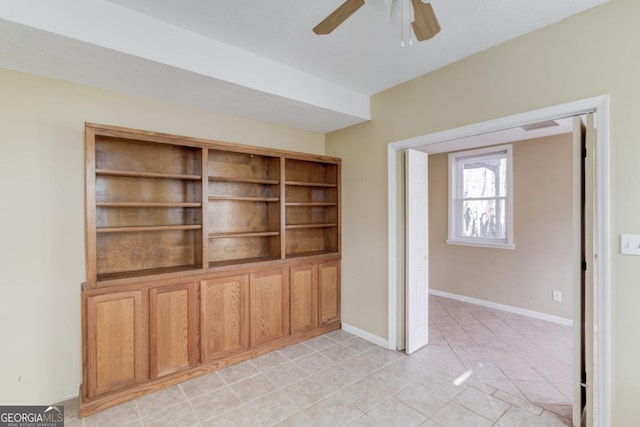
<point>425,25</point>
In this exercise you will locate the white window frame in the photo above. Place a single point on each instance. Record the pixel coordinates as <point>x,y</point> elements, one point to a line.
<point>454,191</point>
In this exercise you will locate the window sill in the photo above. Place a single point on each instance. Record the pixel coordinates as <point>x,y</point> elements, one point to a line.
<point>475,243</point>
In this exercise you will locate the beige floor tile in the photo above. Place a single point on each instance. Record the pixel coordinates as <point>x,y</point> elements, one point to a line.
<point>181,415</point>
<point>541,392</point>
<point>383,355</point>
<point>296,351</point>
<point>314,362</point>
<point>159,400</point>
<point>308,391</point>
<point>394,413</point>
<point>253,387</point>
<point>319,343</point>
<point>359,345</point>
<point>117,416</point>
<point>215,403</point>
<point>333,411</point>
<point>505,386</point>
<point>520,403</point>
<point>360,365</point>
<point>422,399</point>
<point>238,372</point>
<point>273,408</point>
<point>269,360</point>
<point>339,352</point>
<point>340,336</point>
<point>339,376</point>
<point>430,423</point>
<point>481,403</point>
<point>239,416</point>
<point>286,374</point>
<point>516,417</point>
<point>202,385</point>
<point>454,415</point>
<point>565,411</point>
<point>437,381</point>
<point>362,395</point>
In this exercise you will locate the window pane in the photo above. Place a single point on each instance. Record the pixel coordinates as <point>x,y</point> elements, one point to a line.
<point>483,218</point>
<point>484,177</point>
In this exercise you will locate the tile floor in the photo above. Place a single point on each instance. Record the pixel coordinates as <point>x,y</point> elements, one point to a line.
<point>521,377</point>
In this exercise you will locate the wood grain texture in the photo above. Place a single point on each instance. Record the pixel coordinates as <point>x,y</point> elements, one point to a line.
<point>116,341</point>
<point>338,16</point>
<point>224,316</point>
<point>329,292</point>
<point>172,329</point>
<point>304,298</point>
<point>269,306</point>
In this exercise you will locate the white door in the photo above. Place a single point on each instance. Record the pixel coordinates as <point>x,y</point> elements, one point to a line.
<point>417,262</point>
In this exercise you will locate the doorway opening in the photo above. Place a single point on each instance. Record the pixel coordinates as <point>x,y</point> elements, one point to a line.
<point>599,233</point>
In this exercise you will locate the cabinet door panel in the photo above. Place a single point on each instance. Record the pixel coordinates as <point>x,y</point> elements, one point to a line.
<point>172,329</point>
<point>116,336</point>
<point>224,326</point>
<point>329,292</point>
<point>269,306</point>
<point>304,298</point>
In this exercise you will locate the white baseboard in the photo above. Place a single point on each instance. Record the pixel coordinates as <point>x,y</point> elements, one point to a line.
<point>517,310</point>
<point>365,335</point>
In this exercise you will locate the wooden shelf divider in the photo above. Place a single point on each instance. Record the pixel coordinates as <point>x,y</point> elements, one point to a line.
<point>310,184</point>
<point>131,229</point>
<point>113,172</point>
<point>243,234</point>
<point>148,205</point>
<point>245,199</point>
<point>243,180</point>
<point>294,226</point>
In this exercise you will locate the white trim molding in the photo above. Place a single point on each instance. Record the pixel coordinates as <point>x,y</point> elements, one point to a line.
<point>365,335</point>
<point>602,231</point>
<point>502,307</point>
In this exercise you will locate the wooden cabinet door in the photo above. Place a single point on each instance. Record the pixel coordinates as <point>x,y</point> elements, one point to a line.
<point>224,320</point>
<point>269,306</point>
<point>329,292</point>
<point>172,329</point>
<point>117,344</point>
<point>304,298</point>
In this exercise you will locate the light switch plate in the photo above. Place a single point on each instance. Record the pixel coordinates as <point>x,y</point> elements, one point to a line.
<point>630,244</point>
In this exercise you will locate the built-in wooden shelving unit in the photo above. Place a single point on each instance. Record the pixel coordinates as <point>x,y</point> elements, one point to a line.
<point>200,254</point>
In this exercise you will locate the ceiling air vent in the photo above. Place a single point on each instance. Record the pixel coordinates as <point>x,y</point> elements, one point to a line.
<point>539,125</point>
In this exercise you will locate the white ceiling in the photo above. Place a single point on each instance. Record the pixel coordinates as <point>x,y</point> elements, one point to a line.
<point>253,58</point>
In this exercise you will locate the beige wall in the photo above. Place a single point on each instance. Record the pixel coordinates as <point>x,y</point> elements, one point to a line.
<point>542,261</point>
<point>42,215</point>
<point>591,54</point>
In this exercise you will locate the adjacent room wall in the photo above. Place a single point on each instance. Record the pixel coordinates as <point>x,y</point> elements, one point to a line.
<point>590,54</point>
<point>42,215</point>
<point>542,261</point>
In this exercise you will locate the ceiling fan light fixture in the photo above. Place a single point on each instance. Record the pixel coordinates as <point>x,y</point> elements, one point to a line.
<point>378,6</point>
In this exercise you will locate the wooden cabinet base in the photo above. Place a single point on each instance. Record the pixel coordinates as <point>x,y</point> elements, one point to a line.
<point>88,407</point>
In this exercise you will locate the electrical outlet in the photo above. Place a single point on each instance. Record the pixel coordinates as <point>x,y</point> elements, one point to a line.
<point>557,296</point>
<point>630,244</point>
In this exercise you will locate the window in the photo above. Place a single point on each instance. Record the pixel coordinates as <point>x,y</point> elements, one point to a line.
<point>480,202</point>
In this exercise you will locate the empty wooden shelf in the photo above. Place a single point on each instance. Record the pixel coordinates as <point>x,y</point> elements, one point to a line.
<point>200,254</point>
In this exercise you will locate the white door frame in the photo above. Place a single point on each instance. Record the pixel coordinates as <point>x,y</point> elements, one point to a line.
<point>600,105</point>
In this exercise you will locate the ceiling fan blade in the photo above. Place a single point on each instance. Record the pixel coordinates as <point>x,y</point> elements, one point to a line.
<point>426,24</point>
<point>338,16</point>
